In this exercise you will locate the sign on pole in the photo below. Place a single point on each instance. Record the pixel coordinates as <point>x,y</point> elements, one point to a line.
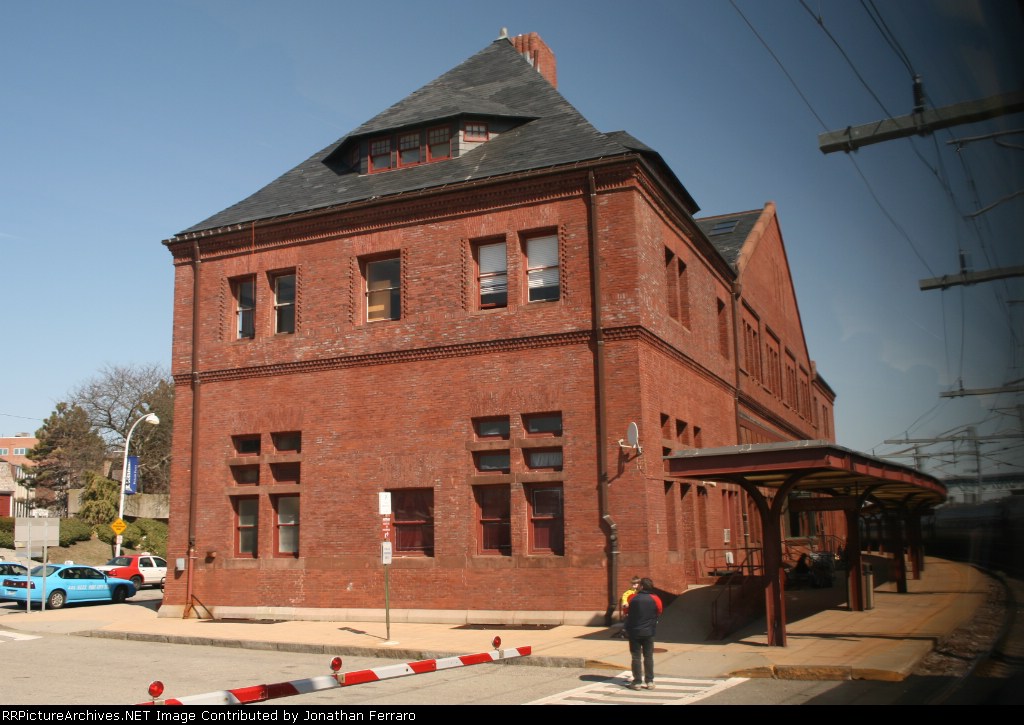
<point>131,482</point>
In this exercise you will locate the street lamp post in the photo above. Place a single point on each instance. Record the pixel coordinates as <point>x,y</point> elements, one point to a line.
<point>152,419</point>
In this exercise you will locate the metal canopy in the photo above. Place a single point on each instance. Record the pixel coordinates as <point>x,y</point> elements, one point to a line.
<point>811,466</point>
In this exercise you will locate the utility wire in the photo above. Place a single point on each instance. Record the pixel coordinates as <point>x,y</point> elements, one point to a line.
<point>887,34</point>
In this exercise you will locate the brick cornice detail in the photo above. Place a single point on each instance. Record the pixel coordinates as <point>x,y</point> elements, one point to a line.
<point>392,356</point>
<point>634,333</point>
<point>424,207</point>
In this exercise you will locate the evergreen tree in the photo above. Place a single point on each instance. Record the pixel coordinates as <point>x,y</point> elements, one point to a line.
<point>100,500</point>
<point>68,449</point>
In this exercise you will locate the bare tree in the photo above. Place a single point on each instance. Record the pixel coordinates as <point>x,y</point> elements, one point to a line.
<point>116,398</point>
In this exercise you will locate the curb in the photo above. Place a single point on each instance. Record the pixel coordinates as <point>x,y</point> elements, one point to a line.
<point>343,650</point>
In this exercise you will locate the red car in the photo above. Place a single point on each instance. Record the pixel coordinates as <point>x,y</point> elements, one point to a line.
<point>141,569</point>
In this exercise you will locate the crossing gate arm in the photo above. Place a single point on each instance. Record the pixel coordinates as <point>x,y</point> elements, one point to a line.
<point>262,693</point>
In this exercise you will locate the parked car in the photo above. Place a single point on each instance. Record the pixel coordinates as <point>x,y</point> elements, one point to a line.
<point>11,568</point>
<point>141,569</point>
<point>64,584</point>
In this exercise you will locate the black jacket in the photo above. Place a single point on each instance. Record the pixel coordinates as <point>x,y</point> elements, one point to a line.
<point>642,618</point>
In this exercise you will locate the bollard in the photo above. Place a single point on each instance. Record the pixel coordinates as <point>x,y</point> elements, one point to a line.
<point>869,588</point>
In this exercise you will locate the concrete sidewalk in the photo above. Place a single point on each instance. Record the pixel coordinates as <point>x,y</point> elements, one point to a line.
<point>825,640</point>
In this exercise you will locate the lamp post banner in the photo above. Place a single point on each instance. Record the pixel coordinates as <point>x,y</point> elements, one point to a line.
<point>131,481</point>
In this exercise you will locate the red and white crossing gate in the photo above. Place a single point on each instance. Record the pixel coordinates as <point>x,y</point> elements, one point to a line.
<point>262,693</point>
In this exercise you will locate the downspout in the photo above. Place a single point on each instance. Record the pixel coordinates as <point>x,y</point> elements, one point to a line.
<point>194,467</point>
<point>737,292</point>
<point>602,424</point>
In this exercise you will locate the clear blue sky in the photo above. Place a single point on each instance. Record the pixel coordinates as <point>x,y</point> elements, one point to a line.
<point>122,123</point>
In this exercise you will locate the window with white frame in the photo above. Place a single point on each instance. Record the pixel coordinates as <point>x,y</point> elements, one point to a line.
<point>492,279</point>
<point>284,303</point>
<point>244,291</point>
<point>286,509</point>
<point>542,268</point>
<point>247,526</point>
<point>383,289</point>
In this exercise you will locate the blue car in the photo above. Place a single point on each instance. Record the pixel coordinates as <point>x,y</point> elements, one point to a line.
<point>64,584</point>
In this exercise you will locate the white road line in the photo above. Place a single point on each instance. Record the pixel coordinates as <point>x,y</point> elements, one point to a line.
<point>4,634</point>
<point>668,691</point>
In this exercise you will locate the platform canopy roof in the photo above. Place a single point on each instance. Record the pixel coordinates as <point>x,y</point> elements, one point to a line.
<point>815,466</point>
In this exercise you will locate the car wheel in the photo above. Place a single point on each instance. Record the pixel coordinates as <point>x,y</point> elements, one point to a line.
<point>137,581</point>
<point>119,595</point>
<point>57,599</point>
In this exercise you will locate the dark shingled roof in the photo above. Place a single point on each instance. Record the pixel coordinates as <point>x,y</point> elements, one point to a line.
<point>497,82</point>
<point>729,242</point>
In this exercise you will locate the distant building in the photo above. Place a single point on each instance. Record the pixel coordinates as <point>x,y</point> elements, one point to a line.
<point>13,462</point>
<point>465,303</point>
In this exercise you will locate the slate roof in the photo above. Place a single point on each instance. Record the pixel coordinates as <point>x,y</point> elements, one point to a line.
<point>729,243</point>
<point>497,82</point>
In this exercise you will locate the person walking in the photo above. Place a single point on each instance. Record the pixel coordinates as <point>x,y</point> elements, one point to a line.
<point>641,626</point>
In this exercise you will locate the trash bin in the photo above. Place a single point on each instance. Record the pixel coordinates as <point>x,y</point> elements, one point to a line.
<point>869,587</point>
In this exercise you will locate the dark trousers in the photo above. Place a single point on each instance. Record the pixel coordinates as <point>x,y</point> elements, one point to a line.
<point>642,646</point>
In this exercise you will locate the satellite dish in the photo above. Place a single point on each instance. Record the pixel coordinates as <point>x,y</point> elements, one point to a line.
<point>632,438</point>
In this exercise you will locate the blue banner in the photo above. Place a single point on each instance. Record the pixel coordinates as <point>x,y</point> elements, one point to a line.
<point>132,479</point>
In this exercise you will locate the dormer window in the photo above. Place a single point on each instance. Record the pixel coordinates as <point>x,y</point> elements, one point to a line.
<point>409,149</point>
<point>380,154</point>
<point>439,143</point>
<point>476,131</point>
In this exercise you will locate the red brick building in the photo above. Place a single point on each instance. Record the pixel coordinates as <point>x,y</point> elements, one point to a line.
<point>466,302</point>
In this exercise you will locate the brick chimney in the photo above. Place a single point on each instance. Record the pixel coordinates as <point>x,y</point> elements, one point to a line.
<point>540,56</point>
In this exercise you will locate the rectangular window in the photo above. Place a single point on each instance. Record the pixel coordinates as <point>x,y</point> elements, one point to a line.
<point>546,458</point>
<point>409,149</point>
<point>547,529</point>
<point>543,424</point>
<point>287,530</point>
<point>380,154</point>
<point>246,475</point>
<point>495,512</point>
<point>723,328</point>
<point>383,290</point>
<point>439,143</point>
<point>247,525</point>
<point>244,292</point>
<point>285,472</point>
<point>290,442</point>
<point>246,445</point>
<point>284,303</point>
<point>476,131</point>
<point>4,451</point>
<point>542,268</point>
<point>491,427</point>
<point>683,285</point>
<point>413,520</point>
<point>492,263</point>
<point>671,284</point>
<point>493,461</point>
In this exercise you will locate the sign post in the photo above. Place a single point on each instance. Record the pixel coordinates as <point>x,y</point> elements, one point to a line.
<point>28,530</point>
<point>384,509</point>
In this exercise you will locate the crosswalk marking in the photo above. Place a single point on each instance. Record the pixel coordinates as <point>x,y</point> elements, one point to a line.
<point>4,634</point>
<point>668,691</point>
